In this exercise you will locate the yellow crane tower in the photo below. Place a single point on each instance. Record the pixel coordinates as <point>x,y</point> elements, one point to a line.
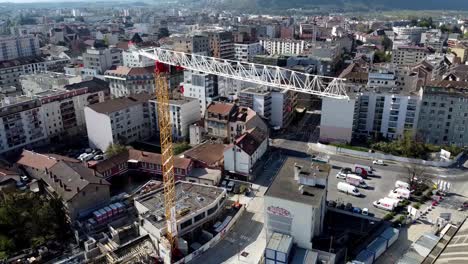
<point>167,155</point>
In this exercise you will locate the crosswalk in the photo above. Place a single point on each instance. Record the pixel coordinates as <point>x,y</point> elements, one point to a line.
<point>443,185</point>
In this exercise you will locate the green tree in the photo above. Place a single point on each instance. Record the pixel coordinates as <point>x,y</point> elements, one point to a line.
<point>387,43</point>
<point>115,149</point>
<point>181,147</point>
<point>382,56</point>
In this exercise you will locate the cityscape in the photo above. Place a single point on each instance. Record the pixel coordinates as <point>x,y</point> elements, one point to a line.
<point>234,131</point>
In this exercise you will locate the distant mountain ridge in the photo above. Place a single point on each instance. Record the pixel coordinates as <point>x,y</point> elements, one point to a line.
<point>346,4</point>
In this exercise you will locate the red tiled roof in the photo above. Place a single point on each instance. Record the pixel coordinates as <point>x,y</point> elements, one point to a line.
<point>41,161</point>
<point>220,108</point>
<point>251,140</point>
<point>207,153</point>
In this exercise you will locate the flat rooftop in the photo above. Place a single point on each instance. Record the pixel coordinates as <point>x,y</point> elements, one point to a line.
<point>284,186</point>
<point>256,90</point>
<point>191,196</point>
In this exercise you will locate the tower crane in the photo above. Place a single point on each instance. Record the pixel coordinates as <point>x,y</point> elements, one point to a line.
<point>250,72</point>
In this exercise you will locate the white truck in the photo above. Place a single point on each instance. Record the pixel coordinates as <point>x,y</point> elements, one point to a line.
<point>402,184</point>
<point>386,203</point>
<point>363,170</point>
<point>356,180</point>
<point>348,189</point>
<point>399,193</point>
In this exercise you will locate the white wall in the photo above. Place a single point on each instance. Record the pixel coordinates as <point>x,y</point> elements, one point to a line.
<point>302,220</point>
<point>277,101</point>
<point>337,119</point>
<point>99,129</point>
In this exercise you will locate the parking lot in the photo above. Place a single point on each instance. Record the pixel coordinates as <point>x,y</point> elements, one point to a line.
<point>379,186</point>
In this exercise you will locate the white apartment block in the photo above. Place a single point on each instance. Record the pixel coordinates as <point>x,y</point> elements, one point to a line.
<point>184,111</point>
<point>409,55</point>
<point>246,51</point>
<point>201,86</point>
<point>22,124</point>
<point>124,81</point>
<point>16,47</point>
<point>385,114</point>
<point>283,46</point>
<point>32,121</point>
<point>413,34</point>
<point>118,121</point>
<point>257,99</point>
<point>131,58</point>
<point>102,59</point>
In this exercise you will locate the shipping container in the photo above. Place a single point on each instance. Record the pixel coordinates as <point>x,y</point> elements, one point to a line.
<point>278,248</point>
<point>391,235</point>
<point>109,211</point>
<point>115,209</point>
<point>378,246</point>
<point>103,214</point>
<point>121,207</point>
<point>365,256</point>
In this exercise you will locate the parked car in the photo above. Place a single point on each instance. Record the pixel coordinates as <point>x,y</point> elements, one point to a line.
<point>99,157</point>
<point>378,162</point>
<point>349,207</point>
<point>332,203</point>
<point>365,211</point>
<point>341,175</point>
<point>357,210</point>
<point>340,205</point>
<point>24,178</point>
<point>224,184</point>
<point>230,186</point>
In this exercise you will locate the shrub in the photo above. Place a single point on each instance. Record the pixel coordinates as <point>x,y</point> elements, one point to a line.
<point>389,216</point>
<point>405,203</point>
<point>417,205</point>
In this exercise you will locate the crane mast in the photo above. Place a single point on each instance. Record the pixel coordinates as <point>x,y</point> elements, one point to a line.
<point>167,155</point>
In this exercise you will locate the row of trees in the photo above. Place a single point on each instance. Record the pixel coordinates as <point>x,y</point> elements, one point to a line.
<point>30,220</point>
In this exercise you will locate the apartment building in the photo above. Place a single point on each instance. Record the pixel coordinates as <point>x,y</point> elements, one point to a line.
<point>22,123</point>
<point>124,81</point>
<point>408,55</point>
<point>33,121</point>
<point>413,34</point>
<point>241,156</point>
<point>257,99</point>
<point>131,58</point>
<point>80,188</point>
<point>433,38</point>
<point>227,121</point>
<point>196,44</point>
<point>221,44</point>
<point>443,118</point>
<point>384,114</point>
<point>121,120</point>
<point>246,51</point>
<point>11,70</point>
<point>184,111</point>
<point>201,86</point>
<point>283,46</point>
<point>102,59</point>
<point>19,46</point>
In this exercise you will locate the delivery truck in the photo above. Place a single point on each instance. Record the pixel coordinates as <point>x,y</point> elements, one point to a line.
<point>386,203</point>
<point>363,171</point>
<point>399,193</point>
<point>356,180</point>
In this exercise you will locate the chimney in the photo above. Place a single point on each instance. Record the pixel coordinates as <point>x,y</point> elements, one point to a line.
<point>297,171</point>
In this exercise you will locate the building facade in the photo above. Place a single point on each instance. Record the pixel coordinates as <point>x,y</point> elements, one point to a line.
<point>118,121</point>
<point>201,86</point>
<point>385,115</point>
<point>246,51</point>
<point>102,59</point>
<point>19,46</point>
<point>443,118</point>
<point>409,55</point>
<point>125,81</point>
<point>283,46</point>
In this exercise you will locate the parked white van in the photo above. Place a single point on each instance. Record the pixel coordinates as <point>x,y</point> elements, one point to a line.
<point>399,193</point>
<point>386,203</point>
<point>348,189</point>
<point>356,180</point>
<point>402,184</point>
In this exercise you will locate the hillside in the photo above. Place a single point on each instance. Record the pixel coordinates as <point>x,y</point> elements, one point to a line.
<point>344,4</point>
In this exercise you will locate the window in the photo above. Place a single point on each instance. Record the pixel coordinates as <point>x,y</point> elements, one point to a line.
<point>186,224</point>
<point>199,217</point>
